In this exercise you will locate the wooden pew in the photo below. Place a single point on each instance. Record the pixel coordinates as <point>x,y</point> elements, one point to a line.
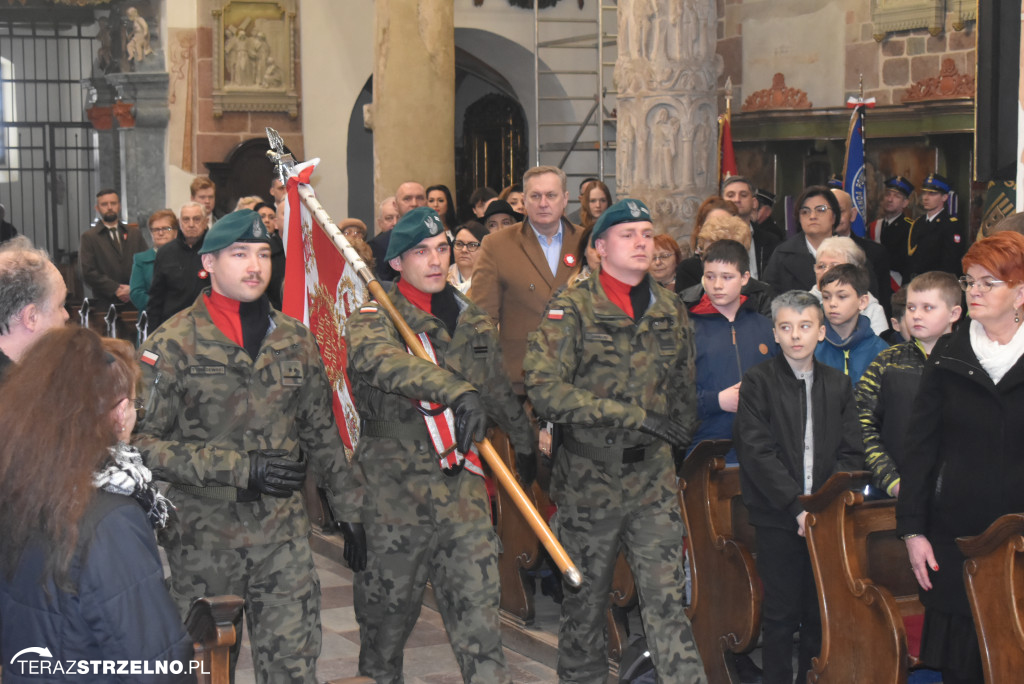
<point>211,624</point>
<point>866,587</point>
<point>725,591</point>
<point>994,578</point>
<point>520,546</point>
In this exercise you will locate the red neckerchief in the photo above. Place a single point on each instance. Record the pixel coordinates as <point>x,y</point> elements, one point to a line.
<point>704,306</point>
<point>224,314</point>
<point>618,292</point>
<point>419,299</point>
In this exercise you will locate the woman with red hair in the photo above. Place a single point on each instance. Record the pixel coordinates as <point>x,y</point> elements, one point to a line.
<point>963,467</point>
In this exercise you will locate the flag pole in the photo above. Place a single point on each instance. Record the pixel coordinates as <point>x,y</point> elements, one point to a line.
<point>501,472</point>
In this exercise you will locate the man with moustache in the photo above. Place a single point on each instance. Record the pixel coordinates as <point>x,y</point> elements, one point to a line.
<point>105,253</point>
<point>238,408</point>
<point>426,508</point>
<point>612,363</point>
<point>178,275</point>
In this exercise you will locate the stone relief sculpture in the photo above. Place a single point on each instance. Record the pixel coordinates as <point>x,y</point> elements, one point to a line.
<point>666,78</point>
<point>665,134</point>
<point>254,56</point>
<point>624,159</point>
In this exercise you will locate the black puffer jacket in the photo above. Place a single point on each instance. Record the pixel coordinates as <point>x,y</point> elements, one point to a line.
<point>768,435</point>
<point>120,611</point>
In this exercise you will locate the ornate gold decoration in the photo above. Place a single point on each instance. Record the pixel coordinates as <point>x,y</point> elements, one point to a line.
<point>777,97</point>
<point>949,84</point>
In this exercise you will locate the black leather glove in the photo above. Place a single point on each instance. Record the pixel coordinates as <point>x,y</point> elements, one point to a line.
<point>470,420</point>
<point>664,429</point>
<point>526,466</point>
<point>355,545</point>
<point>271,474</point>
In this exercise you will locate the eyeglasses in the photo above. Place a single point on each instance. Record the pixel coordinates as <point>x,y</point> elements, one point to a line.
<point>821,210</point>
<point>161,229</point>
<point>664,256</point>
<point>353,232</point>
<point>822,267</point>
<point>468,246</point>
<point>984,285</point>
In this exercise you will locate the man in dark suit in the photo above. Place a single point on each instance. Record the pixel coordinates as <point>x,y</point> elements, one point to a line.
<point>520,267</point>
<point>763,242</point>
<point>105,253</point>
<point>7,230</point>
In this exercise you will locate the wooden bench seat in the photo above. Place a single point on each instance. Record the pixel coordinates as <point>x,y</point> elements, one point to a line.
<point>866,588</point>
<point>994,578</point>
<point>725,590</point>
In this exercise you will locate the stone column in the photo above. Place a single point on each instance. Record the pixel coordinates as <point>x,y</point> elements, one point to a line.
<point>142,119</point>
<point>667,135</point>
<point>412,115</point>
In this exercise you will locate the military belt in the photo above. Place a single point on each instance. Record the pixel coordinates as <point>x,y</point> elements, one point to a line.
<point>634,454</point>
<point>220,493</point>
<point>392,429</point>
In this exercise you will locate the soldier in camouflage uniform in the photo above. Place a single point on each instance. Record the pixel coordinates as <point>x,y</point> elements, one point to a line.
<point>612,362</point>
<point>424,521</point>
<point>238,404</point>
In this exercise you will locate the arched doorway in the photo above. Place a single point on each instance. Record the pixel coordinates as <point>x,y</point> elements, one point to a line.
<point>494,145</point>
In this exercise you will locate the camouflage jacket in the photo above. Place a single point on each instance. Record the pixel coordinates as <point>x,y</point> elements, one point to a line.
<point>404,484</point>
<point>208,404</point>
<point>590,367</point>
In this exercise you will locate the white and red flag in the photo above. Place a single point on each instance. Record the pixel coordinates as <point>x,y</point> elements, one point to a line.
<point>322,290</point>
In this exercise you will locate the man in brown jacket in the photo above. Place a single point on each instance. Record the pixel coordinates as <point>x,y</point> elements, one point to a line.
<point>521,266</point>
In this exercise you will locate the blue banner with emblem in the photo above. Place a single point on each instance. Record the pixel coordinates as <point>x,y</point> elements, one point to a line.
<point>854,176</point>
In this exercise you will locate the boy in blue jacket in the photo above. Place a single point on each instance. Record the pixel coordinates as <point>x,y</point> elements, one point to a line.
<point>731,337</point>
<point>850,345</point>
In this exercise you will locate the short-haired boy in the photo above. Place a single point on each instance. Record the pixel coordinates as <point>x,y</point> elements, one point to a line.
<point>886,391</point>
<point>796,425</point>
<point>731,337</point>
<point>897,332</point>
<point>850,344</point>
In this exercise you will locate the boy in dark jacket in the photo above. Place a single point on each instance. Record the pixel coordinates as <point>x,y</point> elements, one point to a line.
<point>885,394</point>
<point>731,337</point>
<point>850,345</point>
<point>795,426</point>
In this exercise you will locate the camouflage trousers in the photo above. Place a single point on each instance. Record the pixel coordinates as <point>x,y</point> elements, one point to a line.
<point>605,508</point>
<point>461,562</point>
<point>282,601</point>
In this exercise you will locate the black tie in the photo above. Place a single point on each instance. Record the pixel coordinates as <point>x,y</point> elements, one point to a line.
<point>116,238</point>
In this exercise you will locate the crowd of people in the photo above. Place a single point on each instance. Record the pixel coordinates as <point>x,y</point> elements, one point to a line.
<point>604,351</point>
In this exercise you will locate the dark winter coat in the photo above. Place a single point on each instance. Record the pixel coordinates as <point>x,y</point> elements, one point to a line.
<point>768,434</point>
<point>963,467</point>
<point>120,611</point>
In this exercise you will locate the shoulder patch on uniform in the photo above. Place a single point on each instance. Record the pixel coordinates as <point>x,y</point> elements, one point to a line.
<point>956,238</point>
<point>556,314</point>
<point>149,358</point>
<point>368,308</point>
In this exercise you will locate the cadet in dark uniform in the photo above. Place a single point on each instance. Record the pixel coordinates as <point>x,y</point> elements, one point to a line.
<point>612,362</point>
<point>936,241</point>
<point>427,516</point>
<point>892,228</point>
<point>238,403</point>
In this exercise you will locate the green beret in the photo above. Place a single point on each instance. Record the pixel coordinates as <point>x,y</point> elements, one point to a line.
<point>623,211</point>
<point>412,229</point>
<point>244,225</point>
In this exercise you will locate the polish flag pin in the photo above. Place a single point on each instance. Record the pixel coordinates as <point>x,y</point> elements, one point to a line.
<point>203,275</point>
<point>569,260</point>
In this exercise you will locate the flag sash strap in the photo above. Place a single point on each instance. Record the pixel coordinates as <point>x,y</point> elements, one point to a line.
<point>441,428</point>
